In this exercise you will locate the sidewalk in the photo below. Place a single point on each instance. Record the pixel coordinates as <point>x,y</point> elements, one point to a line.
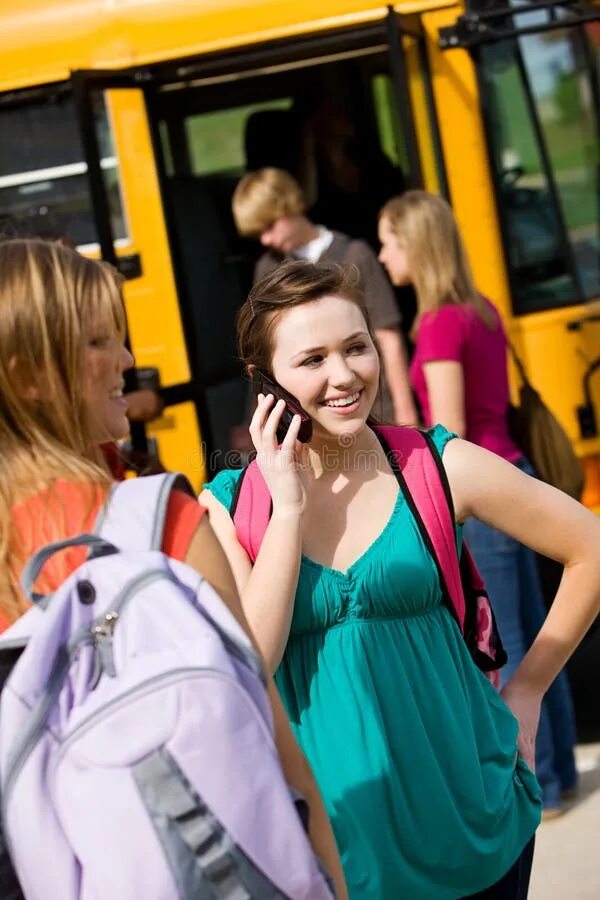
<point>567,853</point>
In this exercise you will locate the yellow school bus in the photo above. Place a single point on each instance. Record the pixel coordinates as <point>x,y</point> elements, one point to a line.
<point>125,125</point>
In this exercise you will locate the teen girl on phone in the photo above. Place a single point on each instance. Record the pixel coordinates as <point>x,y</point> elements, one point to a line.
<point>424,767</point>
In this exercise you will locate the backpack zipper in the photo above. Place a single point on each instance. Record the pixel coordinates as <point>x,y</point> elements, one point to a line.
<point>60,669</point>
<point>64,658</point>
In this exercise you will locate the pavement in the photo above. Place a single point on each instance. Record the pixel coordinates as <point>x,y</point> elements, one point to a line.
<point>567,853</point>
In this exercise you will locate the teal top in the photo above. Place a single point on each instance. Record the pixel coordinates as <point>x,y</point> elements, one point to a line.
<point>414,750</point>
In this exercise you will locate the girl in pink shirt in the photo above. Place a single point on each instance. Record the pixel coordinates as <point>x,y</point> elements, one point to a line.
<point>459,375</point>
<point>458,333</point>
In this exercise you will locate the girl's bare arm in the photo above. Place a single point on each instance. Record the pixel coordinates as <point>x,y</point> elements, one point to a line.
<point>546,520</point>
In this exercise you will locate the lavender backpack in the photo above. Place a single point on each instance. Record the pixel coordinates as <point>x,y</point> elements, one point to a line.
<point>136,744</point>
<point>418,467</point>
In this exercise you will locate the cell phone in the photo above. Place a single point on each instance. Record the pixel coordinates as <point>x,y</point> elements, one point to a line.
<point>262,384</point>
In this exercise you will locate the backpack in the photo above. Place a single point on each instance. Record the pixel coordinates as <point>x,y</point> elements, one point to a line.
<point>137,756</point>
<point>543,440</point>
<point>418,467</point>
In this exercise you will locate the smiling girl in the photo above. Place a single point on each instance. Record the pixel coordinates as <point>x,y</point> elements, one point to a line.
<point>414,750</point>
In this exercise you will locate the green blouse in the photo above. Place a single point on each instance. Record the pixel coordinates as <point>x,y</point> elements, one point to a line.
<point>414,751</point>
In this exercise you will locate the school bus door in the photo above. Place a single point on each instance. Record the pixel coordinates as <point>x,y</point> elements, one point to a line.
<point>156,331</point>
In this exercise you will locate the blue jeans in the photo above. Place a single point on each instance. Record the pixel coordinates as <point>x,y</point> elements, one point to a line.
<point>510,573</point>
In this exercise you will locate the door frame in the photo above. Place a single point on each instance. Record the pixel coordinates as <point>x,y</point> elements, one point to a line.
<point>84,83</point>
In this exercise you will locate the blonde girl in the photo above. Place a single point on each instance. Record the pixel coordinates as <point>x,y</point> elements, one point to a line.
<point>62,362</point>
<point>459,373</point>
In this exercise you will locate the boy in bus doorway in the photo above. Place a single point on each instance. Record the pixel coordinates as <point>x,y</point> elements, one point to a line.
<point>270,204</point>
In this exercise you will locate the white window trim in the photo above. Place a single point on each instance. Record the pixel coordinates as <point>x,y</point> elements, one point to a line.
<point>67,171</point>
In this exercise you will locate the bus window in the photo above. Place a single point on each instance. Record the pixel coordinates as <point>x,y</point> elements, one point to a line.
<point>556,68</point>
<point>391,140</point>
<point>216,139</point>
<point>543,136</point>
<point>44,188</point>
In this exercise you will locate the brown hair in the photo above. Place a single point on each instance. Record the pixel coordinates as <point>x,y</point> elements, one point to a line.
<point>49,295</point>
<point>264,196</point>
<point>439,264</point>
<point>290,284</point>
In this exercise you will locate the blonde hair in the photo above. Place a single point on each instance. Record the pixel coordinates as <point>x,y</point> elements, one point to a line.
<point>49,298</point>
<point>439,265</point>
<point>264,196</point>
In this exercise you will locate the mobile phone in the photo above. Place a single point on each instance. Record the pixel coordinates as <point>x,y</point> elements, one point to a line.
<point>262,384</point>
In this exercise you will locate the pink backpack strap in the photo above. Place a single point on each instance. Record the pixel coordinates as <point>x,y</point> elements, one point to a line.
<point>251,509</point>
<point>419,466</point>
<point>419,469</point>
<point>427,488</point>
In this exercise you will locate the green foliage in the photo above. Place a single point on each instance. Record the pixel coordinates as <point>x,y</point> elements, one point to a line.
<point>567,97</point>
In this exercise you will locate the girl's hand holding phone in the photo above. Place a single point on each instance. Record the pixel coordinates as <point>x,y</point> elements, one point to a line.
<point>284,467</point>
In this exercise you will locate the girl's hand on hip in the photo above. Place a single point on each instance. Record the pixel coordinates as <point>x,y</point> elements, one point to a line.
<point>525,704</point>
<point>284,467</point>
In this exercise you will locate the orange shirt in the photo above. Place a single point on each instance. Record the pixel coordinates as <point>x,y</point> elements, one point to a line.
<point>66,510</point>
